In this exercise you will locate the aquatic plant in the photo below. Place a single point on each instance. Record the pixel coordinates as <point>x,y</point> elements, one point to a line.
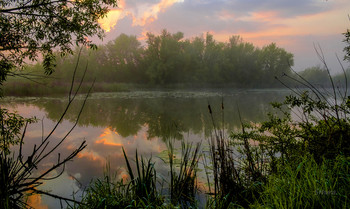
<point>183,185</point>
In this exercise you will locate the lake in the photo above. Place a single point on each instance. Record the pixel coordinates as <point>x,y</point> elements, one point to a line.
<point>142,120</point>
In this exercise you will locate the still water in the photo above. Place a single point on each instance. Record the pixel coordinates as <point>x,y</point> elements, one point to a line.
<point>142,120</point>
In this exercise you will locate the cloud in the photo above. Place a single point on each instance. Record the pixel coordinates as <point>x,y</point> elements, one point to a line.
<point>141,13</point>
<point>259,22</point>
<point>111,19</point>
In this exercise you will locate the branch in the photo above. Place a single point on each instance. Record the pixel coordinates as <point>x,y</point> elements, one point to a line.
<point>31,6</point>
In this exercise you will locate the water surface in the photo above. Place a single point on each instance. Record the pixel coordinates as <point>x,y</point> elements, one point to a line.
<point>142,120</point>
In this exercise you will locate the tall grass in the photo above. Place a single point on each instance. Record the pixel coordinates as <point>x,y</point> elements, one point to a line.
<point>143,186</point>
<point>308,184</point>
<point>183,175</point>
<point>139,192</point>
<point>234,173</point>
<point>105,193</point>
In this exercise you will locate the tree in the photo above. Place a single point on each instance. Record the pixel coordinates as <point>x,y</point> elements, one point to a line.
<point>124,56</point>
<point>316,75</point>
<point>163,57</point>
<point>275,61</point>
<point>212,59</point>
<point>30,28</point>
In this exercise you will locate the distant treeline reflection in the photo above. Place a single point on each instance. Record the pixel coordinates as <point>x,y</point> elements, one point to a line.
<point>167,117</point>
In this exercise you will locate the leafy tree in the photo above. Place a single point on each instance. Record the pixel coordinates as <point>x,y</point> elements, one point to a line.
<point>316,75</point>
<point>124,57</point>
<point>193,59</point>
<point>163,57</point>
<point>275,61</point>
<point>31,28</point>
<point>212,59</point>
<point>241,62</point>
<point>168,59</point>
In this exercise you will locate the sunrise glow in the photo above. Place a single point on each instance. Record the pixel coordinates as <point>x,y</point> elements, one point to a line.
<point>290,25</point>
<point>108,22</point>
<point>151,13</point>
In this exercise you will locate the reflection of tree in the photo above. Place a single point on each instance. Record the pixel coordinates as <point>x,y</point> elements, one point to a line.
<point>168,117</point>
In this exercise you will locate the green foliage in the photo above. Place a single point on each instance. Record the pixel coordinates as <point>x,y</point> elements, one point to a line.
<point>316,75</point>
<point>169,59</point>
<point>317,136</point>
<point>183,185</point>
<point>104,193</point>
<point>143,186</point>
<point>11,125</point>
<point>321,128</point>
<point>306,184</point>
<point>347,47</point>
<point>141,191</point>
<point>110,192</point>
<point>31,28</point>
<point>234,177</point>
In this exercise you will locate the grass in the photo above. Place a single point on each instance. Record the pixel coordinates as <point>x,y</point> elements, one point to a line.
<point>308,185</point>
<point>183,186</point>
<point>139,192</point>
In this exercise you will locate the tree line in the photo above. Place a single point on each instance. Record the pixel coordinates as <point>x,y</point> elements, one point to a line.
<point>170,59</point>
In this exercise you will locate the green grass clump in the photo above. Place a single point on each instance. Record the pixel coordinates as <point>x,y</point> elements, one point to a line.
<point>308,184</point>
<point>183,180</point>
<point>139,192</point>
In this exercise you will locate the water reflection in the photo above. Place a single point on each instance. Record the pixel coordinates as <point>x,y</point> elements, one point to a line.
<point>165,115</point>
<point>137,120</point>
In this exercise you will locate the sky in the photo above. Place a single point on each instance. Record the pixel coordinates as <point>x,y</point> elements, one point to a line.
<point>295,25</point>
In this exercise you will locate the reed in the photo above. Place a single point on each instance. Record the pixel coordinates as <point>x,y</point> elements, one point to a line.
<point>183,185</point>
<point>228,184</point>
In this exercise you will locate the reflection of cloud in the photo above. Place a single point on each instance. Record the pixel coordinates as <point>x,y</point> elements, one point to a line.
<point>109,138</point>
<point>35,201</point>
